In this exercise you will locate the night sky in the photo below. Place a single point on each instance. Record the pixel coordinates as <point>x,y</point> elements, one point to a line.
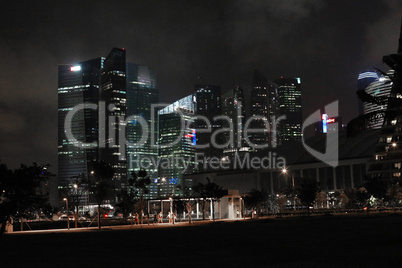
<point>325,43</point>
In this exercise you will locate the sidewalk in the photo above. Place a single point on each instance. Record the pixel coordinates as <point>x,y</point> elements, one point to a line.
<point>122,227</point>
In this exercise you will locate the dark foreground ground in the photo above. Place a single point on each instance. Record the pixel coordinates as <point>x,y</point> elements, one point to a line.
<point>319,241</point>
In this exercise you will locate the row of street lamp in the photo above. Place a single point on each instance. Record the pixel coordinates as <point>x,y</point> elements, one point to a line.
<point>284,171</point>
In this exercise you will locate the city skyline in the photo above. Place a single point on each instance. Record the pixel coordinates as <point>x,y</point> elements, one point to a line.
<point>305,40</point>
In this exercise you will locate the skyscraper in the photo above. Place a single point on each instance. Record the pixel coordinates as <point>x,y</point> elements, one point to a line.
<point>290,105</point>
<point>116,89</point>
<point>208,104</point>
<point>113,93</point>
<point>141,95</point>
<point>264,106</point>
<point>77,84</point>
<point>176,146</point>
<point>233,106</point>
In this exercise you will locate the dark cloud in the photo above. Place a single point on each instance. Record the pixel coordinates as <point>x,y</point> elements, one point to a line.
<point>326,43</point>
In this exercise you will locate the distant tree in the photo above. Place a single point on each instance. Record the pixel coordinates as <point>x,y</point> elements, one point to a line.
<point>321,199</point>
<point>141,182</point>
<point>290,192</point>
<point>394,194</point>
<point>215,193</point>
<point>362,196</point>
<point>21,191</point>
<point>127,198</point>
<point>255,198</point>
<point>356,198</point>
<point>338,199</point>
<point>101,176</point>
<point>376,187</point>
<point>200,193</point>
<point>307,193</point>
<point>281,200</point>
<point>76,190</point>
<point>272,204</point>
<point>187,200</point>
<point>211,191</point>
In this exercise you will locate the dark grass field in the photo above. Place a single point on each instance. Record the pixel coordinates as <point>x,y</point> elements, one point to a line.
<point>319,241</point>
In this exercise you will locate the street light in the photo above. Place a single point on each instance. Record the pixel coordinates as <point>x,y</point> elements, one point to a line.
<point>76,204</point>
<point>285,171</point>
<point>68,217</point>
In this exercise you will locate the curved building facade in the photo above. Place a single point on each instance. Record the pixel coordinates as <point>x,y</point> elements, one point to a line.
<point>381,87</point>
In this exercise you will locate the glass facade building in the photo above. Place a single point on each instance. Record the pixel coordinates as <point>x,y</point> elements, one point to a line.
<point>208,103</point>
<point>290,105</point>
<point>380,87</point>
<point>77,84</point>
<point>264,97</point>
<point>141,95</point>
<point>117,90</point>
<point>363,81</point>
<point>176,147</point>
<point>233,107</point>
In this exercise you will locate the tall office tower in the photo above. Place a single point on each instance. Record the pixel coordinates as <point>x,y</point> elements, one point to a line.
<point>176,146</point>
<point>233,106</point>
<point>77,84</point>
<point>381,88</point>
<point>290,105</point>
<point>264,97</point>
<point>141,95</point>
<point>363,81</point>
<point>118,89</point>
<point>113,94</point>
<point>208,104</point>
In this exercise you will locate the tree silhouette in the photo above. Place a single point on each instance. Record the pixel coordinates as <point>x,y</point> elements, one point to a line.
<point>101,175</point>
<point>127,198</point>
<point>209,190</point>
<point>77,188</point>
<point>187,206</point>
<point>141,182</point>
<point>307,193</point>
<point>376,187</point>
<point>21,190</point>
<point>394,194</point>
<point>255,198</point>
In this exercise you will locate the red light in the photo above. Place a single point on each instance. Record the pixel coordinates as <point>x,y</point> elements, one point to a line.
<point>105,216</point>
<point>331,120</point>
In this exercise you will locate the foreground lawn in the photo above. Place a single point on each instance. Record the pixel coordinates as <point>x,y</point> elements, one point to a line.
<point>319,241</point>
